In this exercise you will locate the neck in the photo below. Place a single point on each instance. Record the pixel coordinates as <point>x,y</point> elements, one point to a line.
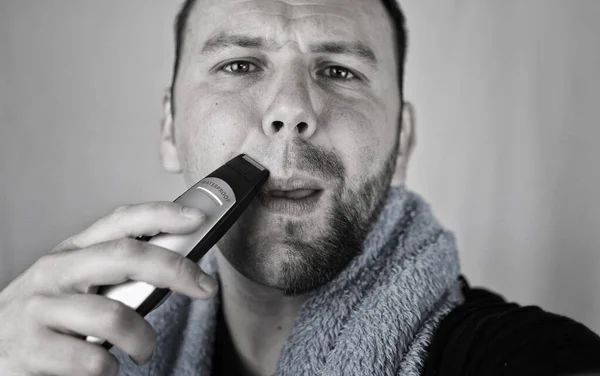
<point>259,318</point>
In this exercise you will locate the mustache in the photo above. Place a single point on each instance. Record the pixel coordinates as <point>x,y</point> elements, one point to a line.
<point>316,160</point>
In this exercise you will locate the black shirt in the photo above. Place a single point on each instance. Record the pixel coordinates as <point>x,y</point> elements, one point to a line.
<point>485,336</point>
<point>489,336</point>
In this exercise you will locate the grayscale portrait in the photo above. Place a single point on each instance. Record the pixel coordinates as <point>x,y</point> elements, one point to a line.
<point>299,187</point>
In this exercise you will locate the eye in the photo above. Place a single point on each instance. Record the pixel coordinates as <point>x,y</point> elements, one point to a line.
<point>339,73</point>
<point>239,67</point>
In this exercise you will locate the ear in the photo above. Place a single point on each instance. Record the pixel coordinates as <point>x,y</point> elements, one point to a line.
<point>406,143</point>
<point>168,149</point>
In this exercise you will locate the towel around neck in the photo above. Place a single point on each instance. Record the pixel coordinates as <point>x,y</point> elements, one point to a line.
<point>377,317</point>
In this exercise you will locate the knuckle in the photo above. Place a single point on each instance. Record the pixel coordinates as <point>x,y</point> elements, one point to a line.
<point>38,273</point>
<point>44,261</point>
<point>98,362</point>
<point>184,267</point>
<point>162,206</point>
<point>127,247</point>
<point>121,210</point>
<point>115,316</point>
<point>67,244</point>
<point>33,305</point>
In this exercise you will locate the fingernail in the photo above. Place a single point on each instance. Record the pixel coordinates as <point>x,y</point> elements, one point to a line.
<point>142,362</point>
<point>135,361</point>
<point>150,357</point>
<point>191,213</point>
<point>208,284</point>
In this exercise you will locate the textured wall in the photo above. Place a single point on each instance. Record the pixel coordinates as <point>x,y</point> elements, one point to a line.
<point>507,94</point>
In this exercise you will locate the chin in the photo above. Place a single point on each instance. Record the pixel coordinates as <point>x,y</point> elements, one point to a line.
<point>273,265</point>
<point>293,253</point>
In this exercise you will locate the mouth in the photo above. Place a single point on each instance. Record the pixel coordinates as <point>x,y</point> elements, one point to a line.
<point>293,196</point>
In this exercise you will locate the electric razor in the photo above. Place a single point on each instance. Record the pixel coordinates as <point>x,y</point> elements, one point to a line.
<point>222,196</point>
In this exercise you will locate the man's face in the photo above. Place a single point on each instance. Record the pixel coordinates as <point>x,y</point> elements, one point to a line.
<point>310,91</point>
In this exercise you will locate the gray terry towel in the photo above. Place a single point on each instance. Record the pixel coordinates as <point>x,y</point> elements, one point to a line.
<point>377,317</point>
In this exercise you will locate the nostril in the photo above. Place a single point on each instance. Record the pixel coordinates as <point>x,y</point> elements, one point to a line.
<point>302,127</point>
<point>277,125</point>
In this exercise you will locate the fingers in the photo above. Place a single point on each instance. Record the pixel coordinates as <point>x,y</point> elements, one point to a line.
<point>120,260</point>
<point>47,313</point>
<point>59,354</point>
<point>135,220</point>
<point>101,317</point>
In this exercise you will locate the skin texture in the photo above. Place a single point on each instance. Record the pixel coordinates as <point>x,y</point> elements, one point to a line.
<point>330,116</point>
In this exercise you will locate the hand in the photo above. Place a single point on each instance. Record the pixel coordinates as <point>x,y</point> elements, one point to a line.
<point>47,312</point>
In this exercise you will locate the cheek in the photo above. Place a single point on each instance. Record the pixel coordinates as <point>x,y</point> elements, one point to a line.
<point>360,133</point>
<point>211,128</point>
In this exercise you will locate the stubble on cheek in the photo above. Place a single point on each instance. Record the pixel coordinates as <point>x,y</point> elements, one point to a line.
<point>360,128</point>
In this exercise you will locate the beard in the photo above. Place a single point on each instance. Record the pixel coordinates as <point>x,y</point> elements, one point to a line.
<point>297,266</point>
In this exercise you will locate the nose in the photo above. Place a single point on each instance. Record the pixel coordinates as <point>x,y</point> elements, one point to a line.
<point>291,111</point>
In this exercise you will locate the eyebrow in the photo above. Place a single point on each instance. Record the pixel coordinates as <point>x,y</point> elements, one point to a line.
<point>356,49</point>
<point>223,41</point>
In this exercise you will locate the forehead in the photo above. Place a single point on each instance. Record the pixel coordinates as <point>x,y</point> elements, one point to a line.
<point>301,21</point>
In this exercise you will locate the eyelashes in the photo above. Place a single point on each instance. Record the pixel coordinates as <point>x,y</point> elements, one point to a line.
<point>339,73</point>
<point>245,67</point>
<point>239,67</point>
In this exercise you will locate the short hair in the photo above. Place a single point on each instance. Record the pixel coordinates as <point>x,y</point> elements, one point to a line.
<point>392,7</point>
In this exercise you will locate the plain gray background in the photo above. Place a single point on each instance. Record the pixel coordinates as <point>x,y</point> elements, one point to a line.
<point>507,94</point>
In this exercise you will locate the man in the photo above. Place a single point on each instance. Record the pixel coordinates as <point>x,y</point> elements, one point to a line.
<point>337,269</point>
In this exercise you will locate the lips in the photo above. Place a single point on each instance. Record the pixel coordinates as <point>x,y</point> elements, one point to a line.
<point>296,194</point>
<point>293,196</point>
